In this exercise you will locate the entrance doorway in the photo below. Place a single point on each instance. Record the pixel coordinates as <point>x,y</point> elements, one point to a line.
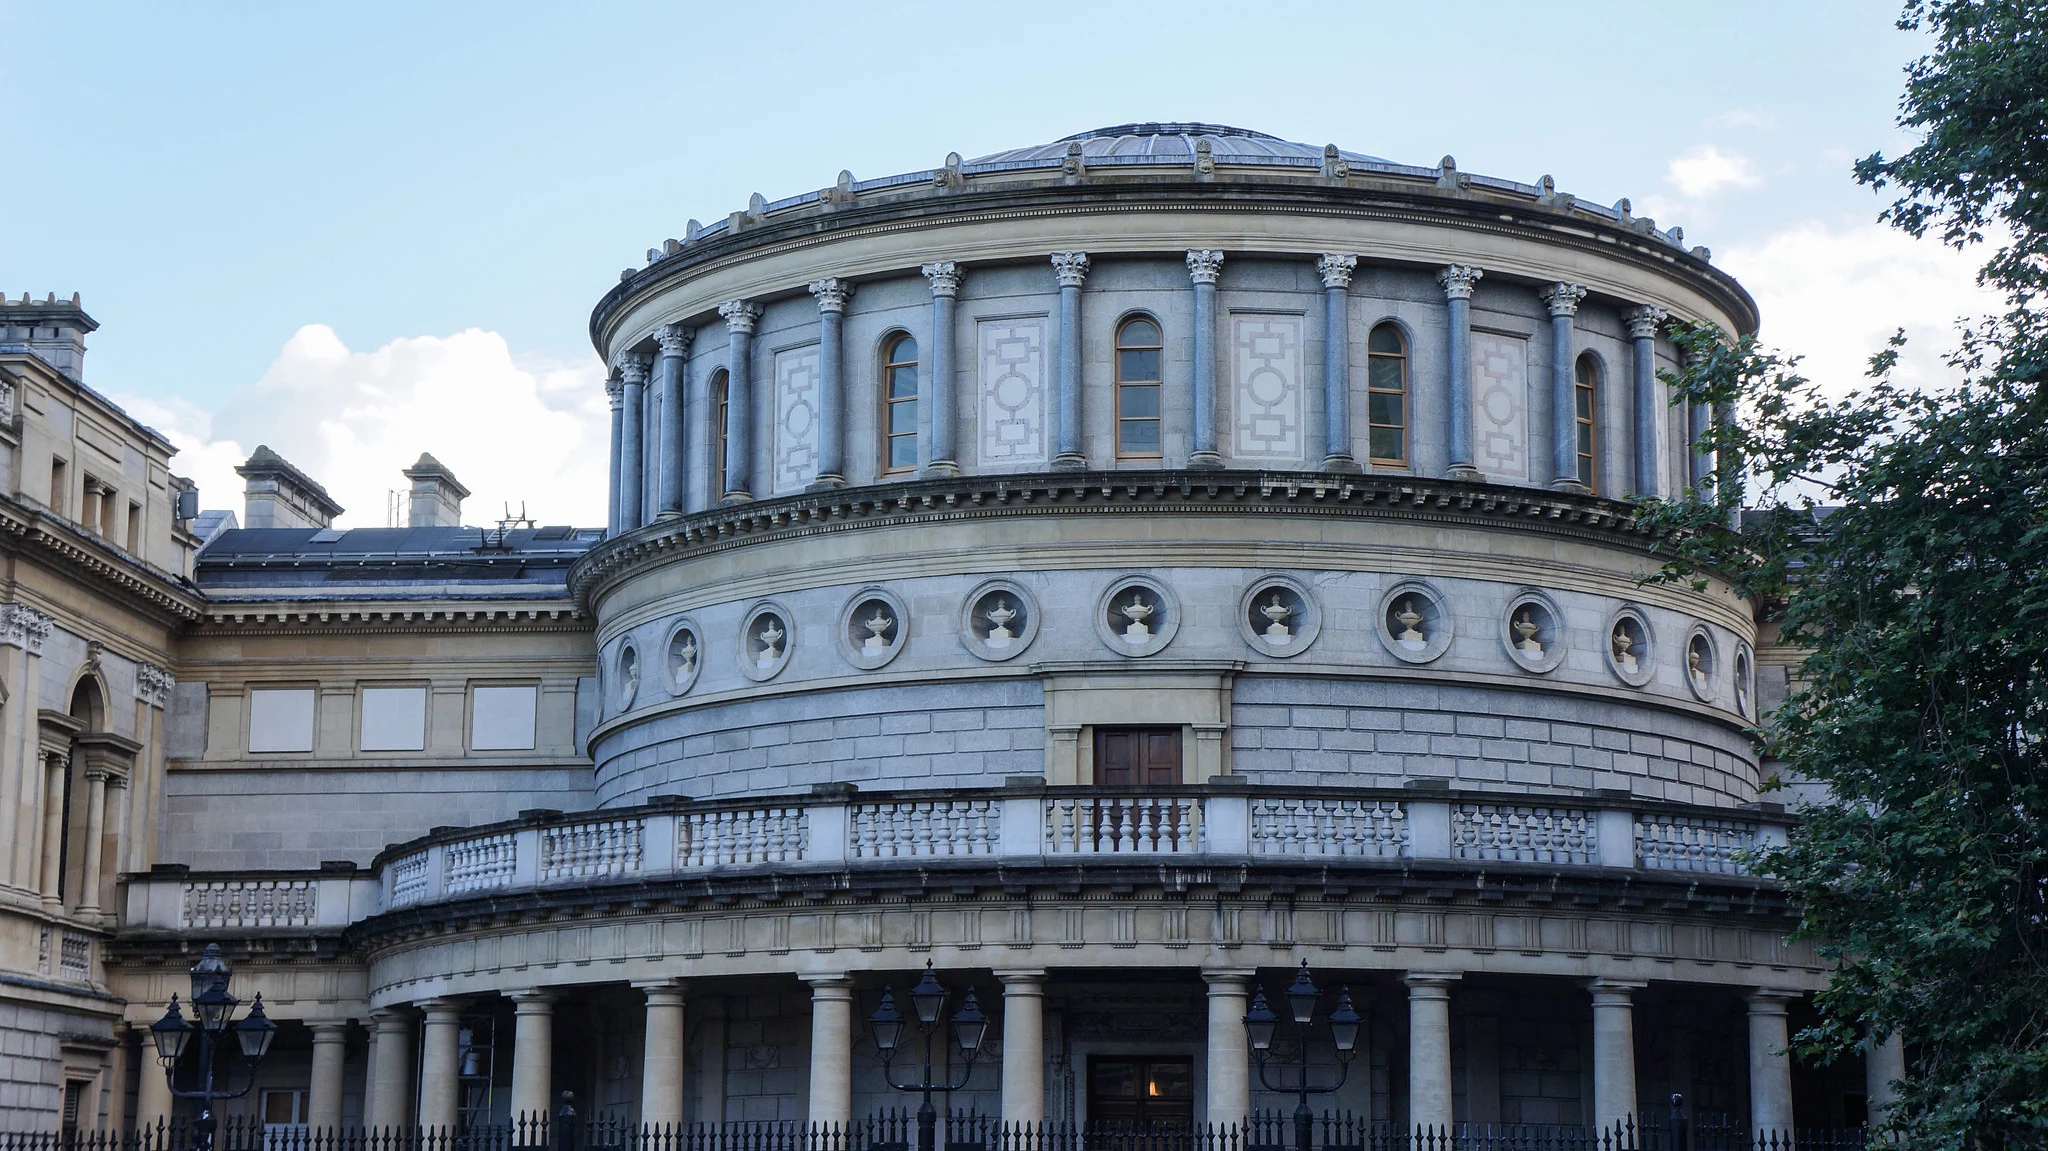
<point>1141,1094</point>
<point>1137,756</point>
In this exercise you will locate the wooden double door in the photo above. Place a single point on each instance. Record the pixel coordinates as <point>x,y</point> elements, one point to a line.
<point>1137,756</point>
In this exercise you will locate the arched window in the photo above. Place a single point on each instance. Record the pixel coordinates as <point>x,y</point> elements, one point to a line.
<point>1585,399</point>
<point>1386,401</point>
<point>1138,348</point>
<point>899,405</point>
<point>721,390</point>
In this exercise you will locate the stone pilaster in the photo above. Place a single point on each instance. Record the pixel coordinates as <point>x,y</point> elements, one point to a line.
<point>675,348</point>
<point>1458,281</point>
<point>1072,269</point>
<point>1205,266</point>
<point>50,878</point>
<point>740,317</point>
<point>832,295</point>
<point>938,381</point>
<point>1429,1047</point>
<point>1643,323</point>
<point>1563,301</point>
<point>1336,269</point>
<point>632,369</point>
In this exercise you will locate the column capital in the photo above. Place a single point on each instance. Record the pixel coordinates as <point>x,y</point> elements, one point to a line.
<point>674,339</point>
<point>1227,978</point>
<point>832,293</point>
<point>390,1020</point>
<point>153,684</point>
<point>1430,984</point>
<point>441,1009</point>
<point>1072,268</point>
<point>661,992</point>
<point>1336,268</point>
<point>821,982</point>
<point>1459,280</point>
<point>1205,264</point>
<point>1614,992</point>
<point>615,390</point>
<point>23,627</point>
<point>1769,1000</point>
<point>944,276</point>
<point>1563,299</point>
<point>1021,980</point>
<point>633,367</point>
<point>1644,321</point>
<point>324,1030</point>
<point>531,998</point>
<point>739,315</point>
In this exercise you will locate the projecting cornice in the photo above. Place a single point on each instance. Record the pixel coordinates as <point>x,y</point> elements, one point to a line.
<point>60,544</point>
<point>477,616</point>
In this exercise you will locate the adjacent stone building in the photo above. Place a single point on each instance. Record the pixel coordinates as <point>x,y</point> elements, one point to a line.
<point>1112,572</point>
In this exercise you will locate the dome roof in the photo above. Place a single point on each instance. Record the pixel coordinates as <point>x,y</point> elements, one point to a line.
<point>1154,142</point>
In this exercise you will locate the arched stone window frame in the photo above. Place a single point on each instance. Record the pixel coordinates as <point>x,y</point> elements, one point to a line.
<point>1589,392</point>
<point>886,367</point>
<point>1406,429</point>
<point>1120,384</point>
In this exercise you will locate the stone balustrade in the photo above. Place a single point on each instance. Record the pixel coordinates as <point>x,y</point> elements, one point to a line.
<point>170,898</point>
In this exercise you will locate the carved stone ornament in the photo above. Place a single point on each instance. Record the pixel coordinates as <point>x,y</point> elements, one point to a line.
<point>1205,265</point>
<point>944,276</point>
<point>1073,165</point>
<point>23,627</point>
<point>1072,268</point>
<point>6,400</point>
<point>615,390</point>
<point>1336,269</point>
<point>153,684</point>
<point>1643,322</point>
<point>832,293</point>
<point>739,315</point>
<point>633,368</point>
<point>1205,159</point>
<point>1562,298</point>
<point>674,338</point>
<point>1459,280</point>
<point>1334,165</point>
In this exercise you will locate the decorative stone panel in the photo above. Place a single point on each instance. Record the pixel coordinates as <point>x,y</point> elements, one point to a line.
<point>1265,358</point>
<point>796,419</point>
<point>1012,390</point>
<point>1500,406</point>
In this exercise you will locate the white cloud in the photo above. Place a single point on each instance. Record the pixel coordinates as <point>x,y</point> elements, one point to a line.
<point>512,432</point>
<point>1742,118</point>
<point>1705,169</point>
<point>1835,294</point>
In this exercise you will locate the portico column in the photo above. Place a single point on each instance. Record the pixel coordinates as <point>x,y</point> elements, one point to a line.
<point>533,1053</point>
<point>95,834</point>
<point>1429,1048</point>
<point>1643,323</point>
<point>391,1089</point>
<point>675,347</point>
<point>831,1050</point>
<point>54,767</point>
<point>938,383</point>
<point>632,473</point>
<point>1614,1050</point>
<point>330,1055</point>
<point>1072,268</point>
<point>740,317</point>
<point>1458,281</point>
<point>1770,1066</point>
<point>1336,271</point>
<point>1023,1046</point>
<point>661,1065</point>
<point>153,1100</point>
<point>615,391</point>
<point>832,294</point>
<point>1229,1071</point>
<point>1563,301</point>
<point>1205,265</point>
<point>1884,1065</point>
<point>439,1067</point>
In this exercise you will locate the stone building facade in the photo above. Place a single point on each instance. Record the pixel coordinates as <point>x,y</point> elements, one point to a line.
<point>1111,572</point>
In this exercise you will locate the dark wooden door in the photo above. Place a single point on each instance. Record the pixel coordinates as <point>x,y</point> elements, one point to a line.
<point>1141,1094</point>
<point>1137,756</point>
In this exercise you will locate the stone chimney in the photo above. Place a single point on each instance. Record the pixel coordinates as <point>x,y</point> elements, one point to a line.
<point>53,329</point>
<point>279,495</point>
<point>436,495</point>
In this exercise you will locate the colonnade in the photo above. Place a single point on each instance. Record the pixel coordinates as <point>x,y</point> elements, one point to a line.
<point>643,493</point>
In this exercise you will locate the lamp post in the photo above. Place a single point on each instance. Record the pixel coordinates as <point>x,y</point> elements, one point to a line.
<point>928,1000</point>
<point>214,1018</point>
<point>1260,1022</point>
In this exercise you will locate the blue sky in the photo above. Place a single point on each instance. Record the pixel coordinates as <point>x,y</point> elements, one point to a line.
<point>358,232</point>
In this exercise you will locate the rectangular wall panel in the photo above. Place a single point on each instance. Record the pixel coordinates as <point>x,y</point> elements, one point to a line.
<point>1011,384</point>
<point>1500,406</point>
<point>796,418</point>
<point>1266,401</point>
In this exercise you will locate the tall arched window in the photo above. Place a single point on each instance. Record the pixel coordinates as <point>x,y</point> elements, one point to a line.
<point>899,405</point>
<point>721,390</point>
<point>1586,401</point>
<point>1138,348</point>
<point>1387,396</point>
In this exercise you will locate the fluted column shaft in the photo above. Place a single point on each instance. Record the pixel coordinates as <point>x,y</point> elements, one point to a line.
<point>1072,268</point>
<point>1429,1048</point>
<point>1643,323</point>
<point>1458,281</point>
<point>675,349</point>
<point>1023,1046</point>
<point>1229,1070</point>
<point>1563,302</point>
<point>1205,266</point>
<point>832,295</point>
<point>615,392</point>
<point>391,1088</point>
<point>533,1053</point>
<point>661,1070</point>
<point>1770,1066</point>
<point>632,469</point>
<point>740,317</point>
<point>831,1050</point>
<point>1336,271</point>
<point>54,767</point>
<point>440,1052</point>
<point>1614,1051</point>
<point>330,1058</point>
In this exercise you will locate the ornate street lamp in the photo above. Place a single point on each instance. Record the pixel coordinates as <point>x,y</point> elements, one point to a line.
<point>1260,1023</point>
<point>928,1000</point>
<point>213,1009</point>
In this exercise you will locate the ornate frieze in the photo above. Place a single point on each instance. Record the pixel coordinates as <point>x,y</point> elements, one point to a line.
<point>23,627</point>
<point>153,684</point>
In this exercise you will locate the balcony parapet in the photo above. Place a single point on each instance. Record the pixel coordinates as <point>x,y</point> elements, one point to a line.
<point>174,898</point>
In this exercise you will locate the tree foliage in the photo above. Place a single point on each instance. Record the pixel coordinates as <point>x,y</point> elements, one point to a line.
<point>1899,538</point>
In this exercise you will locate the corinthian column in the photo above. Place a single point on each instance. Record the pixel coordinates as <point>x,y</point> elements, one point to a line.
<point>832,295</point>
<point>1336,272</point>
<point>1643,323</point>
<point>1563,301</point>
<point>740,317</point>
<point>945,280</point>
<point>632,471</point>
<point>615,391</point>
<point>1458,281</point>
<point>1072,268</point>
<point>675,345</point>
<point>1204,266</point>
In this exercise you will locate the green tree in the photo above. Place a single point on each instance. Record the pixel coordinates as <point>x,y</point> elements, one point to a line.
<point>1900,538</point>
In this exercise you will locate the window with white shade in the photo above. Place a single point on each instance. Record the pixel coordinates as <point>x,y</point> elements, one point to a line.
<point>502,718</point>
<point>281,719</point>
<point>394,718</point>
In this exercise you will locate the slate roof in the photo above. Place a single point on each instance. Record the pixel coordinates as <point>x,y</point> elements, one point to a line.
<point>406,562</point>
